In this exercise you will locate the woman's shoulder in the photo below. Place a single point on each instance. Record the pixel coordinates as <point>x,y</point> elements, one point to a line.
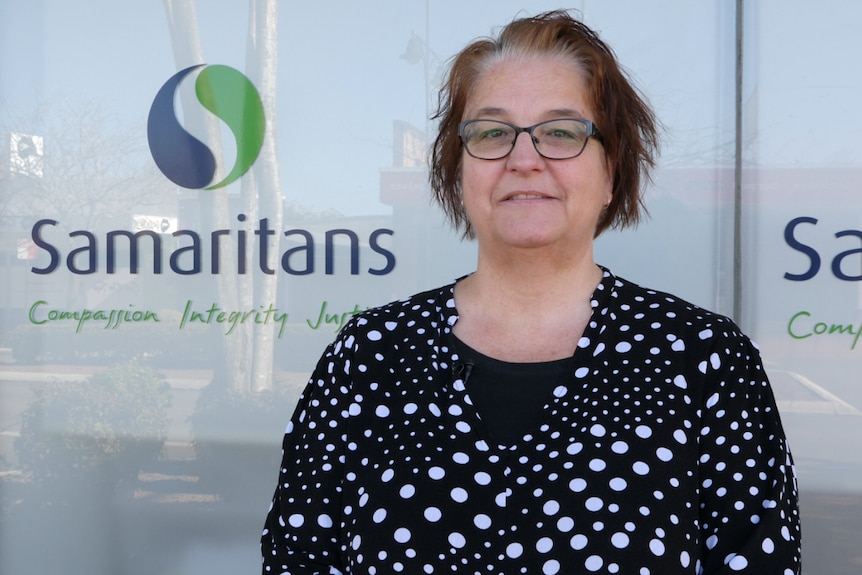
<point>631,300</point>
<point>430,309</point>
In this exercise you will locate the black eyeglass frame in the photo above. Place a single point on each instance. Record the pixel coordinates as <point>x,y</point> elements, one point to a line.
<point>592,132</point>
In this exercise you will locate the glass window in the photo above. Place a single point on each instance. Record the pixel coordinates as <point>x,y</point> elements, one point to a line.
<point>158,322</point>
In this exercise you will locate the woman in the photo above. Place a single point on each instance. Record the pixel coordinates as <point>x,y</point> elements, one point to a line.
<point>540,415</point>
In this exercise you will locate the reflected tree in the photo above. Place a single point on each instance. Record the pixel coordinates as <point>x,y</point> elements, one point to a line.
<point>249,351</point>
<point>91,169</point>
<point>86,169</point>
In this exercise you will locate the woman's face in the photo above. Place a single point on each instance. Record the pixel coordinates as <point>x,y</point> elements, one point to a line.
<point>524,201</point>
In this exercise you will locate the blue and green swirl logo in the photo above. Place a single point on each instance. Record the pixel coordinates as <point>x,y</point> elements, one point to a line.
<point>232,98</point>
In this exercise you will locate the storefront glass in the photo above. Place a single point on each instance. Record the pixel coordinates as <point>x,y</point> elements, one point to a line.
<point>156,328</point>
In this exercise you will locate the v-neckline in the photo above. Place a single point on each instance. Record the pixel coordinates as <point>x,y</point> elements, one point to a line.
<point>580,360</point>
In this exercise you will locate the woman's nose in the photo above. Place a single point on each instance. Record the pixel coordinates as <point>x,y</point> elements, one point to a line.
<point>524,153</point>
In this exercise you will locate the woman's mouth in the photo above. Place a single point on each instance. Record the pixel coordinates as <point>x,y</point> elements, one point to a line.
<point>526,196</point>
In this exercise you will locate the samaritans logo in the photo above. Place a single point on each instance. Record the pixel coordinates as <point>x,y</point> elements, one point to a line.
<point>232,98</point>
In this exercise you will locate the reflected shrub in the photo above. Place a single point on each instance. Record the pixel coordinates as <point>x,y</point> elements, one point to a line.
<point>161,345</point>
<point>104,428</point>
<point>237,439</point>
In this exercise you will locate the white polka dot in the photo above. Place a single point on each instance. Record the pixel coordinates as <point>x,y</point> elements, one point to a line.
<point>402,535</point>
<point>551,508</point>
<point>565,524</point>
<point>620,540</point>
<point>457,540</point>
<point>514,550</point>
<point>664,454</point>
<point>482,521</point>
<point>500,499</point>
<point>482,478</point>
<point>712,401</point>
<point>594,504</point>
<point>620,447</point>
<point>436,473</point>
<point>711,541</point>
<point>433,514</point>
<point>461,458</point>
<point>657,547</point>
<point>544,545</point>
<point>685,559</point>
<point>715,361</point>
<point>593,563</point>
<point>578,542</point>
<point>736,562</point>
<point>459,495</point>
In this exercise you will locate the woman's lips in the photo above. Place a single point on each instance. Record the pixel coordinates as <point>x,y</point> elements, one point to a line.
<point>526,196</point>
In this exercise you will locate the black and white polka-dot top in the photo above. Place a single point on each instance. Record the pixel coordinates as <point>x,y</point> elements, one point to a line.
<point>663,454</point>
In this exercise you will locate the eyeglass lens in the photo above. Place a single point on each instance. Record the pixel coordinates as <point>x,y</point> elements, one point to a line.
<point>555,139</point>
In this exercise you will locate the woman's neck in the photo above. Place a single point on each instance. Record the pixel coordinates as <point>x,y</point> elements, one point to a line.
<point>526,309</point>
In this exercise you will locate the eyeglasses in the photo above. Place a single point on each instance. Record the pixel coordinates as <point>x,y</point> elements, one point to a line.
<point>559,139</point>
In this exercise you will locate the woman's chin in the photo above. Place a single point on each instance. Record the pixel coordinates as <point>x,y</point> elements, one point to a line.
<point>527,239</point>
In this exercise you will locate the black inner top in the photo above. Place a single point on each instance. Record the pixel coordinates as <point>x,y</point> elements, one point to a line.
<point>510,396</point>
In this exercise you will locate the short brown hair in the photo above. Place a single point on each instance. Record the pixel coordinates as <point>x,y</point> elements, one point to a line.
<point>625,120</point>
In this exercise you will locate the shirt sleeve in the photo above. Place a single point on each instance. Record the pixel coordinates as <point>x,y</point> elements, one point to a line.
<point>749,516</point>
<point>301,535</point>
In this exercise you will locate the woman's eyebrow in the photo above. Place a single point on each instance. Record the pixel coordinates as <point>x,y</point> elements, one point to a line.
<point>490,112</point>
<point>493,111</point>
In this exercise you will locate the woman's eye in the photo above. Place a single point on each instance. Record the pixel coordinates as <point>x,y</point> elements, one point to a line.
<point>492,134</point>
<point>561,135</point>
